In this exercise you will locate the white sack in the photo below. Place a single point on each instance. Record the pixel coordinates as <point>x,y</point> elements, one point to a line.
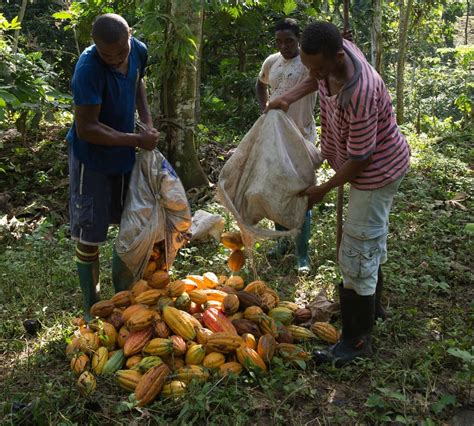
<point>262,179</point>
<point>206,225</point>
<point>156,209</point>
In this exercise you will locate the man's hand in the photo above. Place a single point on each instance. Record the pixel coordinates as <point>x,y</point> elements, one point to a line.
<point>149,138</point>
<point>277,103</point>
<point>315,194</point>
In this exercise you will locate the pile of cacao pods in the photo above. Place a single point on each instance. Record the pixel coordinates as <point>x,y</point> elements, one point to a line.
<point>159,335</point>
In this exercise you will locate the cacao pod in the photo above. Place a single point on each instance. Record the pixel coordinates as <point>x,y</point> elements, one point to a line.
<point>99,359</point>
<point>115,318</point>
<point>269,299</point>
<point>122,336</point>
<point>223,342</point>
<point>247,299</point>
<point>230,304</point>
<point>217,321</point>
<point>250,359</point>
<point>86,383</point>
<point>198,296</point>
<point>151,383</point>
<point>140,320</point>
<point>246,326</point>
<point>232,240</point>
<point>136,341</point>
<point>183,302</point>
<point>230,368</point>
<point>174,388</point>
<point>149,297</point>
<point>190,372</point>
<point>132,310</point>
<point>79,363</point>
<point>248,340</point>
<point>213,360</point>
<point>282,315</point>
<point>122,299</point>
<point>114,363</point>
<point>179,323</point>
<point>210,280</point>
<point>302,315</point>
<point>236,282</point>
<point>133,361</point>
<point>326,332</point>
<point>236,260</point>
<point>102,309</point>
<point>161,329</point>
<point>89,342</point>
<point>158,346</point>
<point>300,333</point>
<point>195,355</point>
<point>266,347</point>
<point>159,279</point>
<point>268,325</point>
<point>253,313</point>
<point>179,345</point>
<point>176,288</point>
<point>148,362</point>
<point>138,288</point>
<point>284,335</point>
<point>257,287</point>
<point>292,352</point>
<point>128,379</point>
<point>289,305</point>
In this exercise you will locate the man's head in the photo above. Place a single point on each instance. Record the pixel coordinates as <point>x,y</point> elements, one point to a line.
<point>111,35</point>
<point>321,49</point>
<point>287,34</point>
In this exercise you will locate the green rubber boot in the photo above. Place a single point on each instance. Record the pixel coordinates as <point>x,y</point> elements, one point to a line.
<point>89,281</point>
<point>302,245</point>
<point>122,277</point>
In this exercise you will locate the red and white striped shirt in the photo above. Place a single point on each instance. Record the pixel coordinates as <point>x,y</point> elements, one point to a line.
<point>359,122</point>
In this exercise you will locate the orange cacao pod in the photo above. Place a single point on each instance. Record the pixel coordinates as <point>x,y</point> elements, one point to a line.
<point>102,309</point>
<point>230,304</point>
<point>122,299</point>
<point>136,341</point>
<point>230,368</point>
<point>151,383</point>
<point>266,347</point>
<point>236,282</point>
<point>236,260</point>
<point>326,332</point>
<point>250,359</point>
<point>159,279</point>
<point>232,240</point>
<point>140,320</point>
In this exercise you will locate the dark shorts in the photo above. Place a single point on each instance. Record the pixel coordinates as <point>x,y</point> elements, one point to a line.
<point>95,202</point>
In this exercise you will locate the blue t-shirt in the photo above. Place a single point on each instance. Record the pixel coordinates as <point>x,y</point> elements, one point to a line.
<point>96,83</point>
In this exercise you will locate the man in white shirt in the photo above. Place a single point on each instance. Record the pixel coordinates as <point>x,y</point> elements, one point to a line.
<point>280,72</point>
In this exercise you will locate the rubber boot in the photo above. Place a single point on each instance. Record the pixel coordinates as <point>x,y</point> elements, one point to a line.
<point>282,245</point>
<point>302,244</point>
<point>122,277</point>
<point>89,281</point>
<point>357,314</point>
<point>379,309</point>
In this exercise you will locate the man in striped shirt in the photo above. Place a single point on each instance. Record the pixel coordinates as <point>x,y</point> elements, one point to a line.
<point>361,141</point>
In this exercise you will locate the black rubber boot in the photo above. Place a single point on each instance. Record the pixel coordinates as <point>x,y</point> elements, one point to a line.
<point>357,314</point>
<point>379,310</point>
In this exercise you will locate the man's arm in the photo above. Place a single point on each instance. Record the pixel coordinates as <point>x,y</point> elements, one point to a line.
<point>89,128</point>
<point>262,94</point>
<point>307,86</point>
<point>142,105</point>
<point>346,173</point>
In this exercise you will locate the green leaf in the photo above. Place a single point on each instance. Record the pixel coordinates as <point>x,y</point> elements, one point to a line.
<point>289,6</point>
<point>469,228</point>
<point>443,402</point>
<point>63,15</point>
<point>464,355</point>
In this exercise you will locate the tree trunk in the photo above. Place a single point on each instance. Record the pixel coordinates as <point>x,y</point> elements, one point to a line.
<point>466,27</point>
<point>376,36</point>
<point>20,20</point>
<point>180,86</point>
<point>405,12</point>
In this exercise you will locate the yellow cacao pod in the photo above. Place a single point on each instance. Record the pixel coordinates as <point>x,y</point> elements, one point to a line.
<point>179,323</point>
<point>190,372</point>
<point>159,347</point>
<point>230,368</point>
<point>174,388</point>
<point>250,359</point>
<point>149,297</point>
<point>99,358</point>
<point>223,342</point>
<point>300,333</point>
<point>195,355</point>
<point>248,340</point>
<point>128,379</point>
<point>133,361</point>
<point>140,320</point>
<point>213,360</point>
<point>325,331</point>
<point>176,288</point>
<point>86,383</point>
<point>236,282</point>
<point>257,287</point>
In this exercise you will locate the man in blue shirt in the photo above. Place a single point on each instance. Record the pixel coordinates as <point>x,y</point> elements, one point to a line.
<point>108,88</point>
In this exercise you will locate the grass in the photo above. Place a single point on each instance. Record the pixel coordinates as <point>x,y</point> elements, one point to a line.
<point>421,372</point>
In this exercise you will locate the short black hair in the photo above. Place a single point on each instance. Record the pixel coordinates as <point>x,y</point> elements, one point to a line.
<point>288,24</point>
<point>110,28</point>
<point>321,37</point>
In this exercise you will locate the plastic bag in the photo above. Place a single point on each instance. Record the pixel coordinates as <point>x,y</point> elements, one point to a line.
<point>271,166</point>
<point>156,209</point>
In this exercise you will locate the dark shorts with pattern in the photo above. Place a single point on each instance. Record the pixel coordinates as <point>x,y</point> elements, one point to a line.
<point>95,201</point>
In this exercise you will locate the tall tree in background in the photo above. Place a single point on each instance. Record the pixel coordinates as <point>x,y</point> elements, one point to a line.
<point>376,36</point>
<point>180,88</point>
<point>21,15</point>
<point>405,11</point>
